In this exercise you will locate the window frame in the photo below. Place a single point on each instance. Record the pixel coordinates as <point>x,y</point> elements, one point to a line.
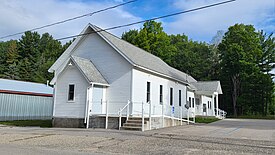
<point>180,98</point>
<point>148,91</point>
<point>190,102</point>
<point>68,97</point>
<point>161,94</point>
<point>171,96</point>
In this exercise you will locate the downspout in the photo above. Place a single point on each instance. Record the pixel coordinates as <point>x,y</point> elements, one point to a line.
<point>132,93</point>
<point>87,109</point>
<point>186,98</point>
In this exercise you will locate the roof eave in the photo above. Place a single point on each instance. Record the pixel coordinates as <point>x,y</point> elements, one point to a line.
<point>68,50</point>
<point>163,75</point>
<point>100,84</point>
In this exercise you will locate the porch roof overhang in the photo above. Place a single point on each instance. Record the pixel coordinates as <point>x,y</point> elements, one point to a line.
<point>208,87</point>
<point>206,93</point>
<point>89,71</point>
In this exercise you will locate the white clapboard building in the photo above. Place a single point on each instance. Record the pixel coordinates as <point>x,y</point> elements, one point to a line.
<point>104,81</point>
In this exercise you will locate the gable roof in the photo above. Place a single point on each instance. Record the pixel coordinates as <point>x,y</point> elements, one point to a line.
<point>208,87</point>
<point>89,70</point>
<point>134,55</point>
<point>141,58</point>
<point>27,88</point>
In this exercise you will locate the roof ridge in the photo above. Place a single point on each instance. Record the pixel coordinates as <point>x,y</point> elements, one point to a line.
<point>206,81</point>
<point>102,30</point>
<point>141,58</point>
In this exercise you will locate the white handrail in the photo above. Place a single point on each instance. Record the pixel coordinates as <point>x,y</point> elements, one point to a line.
<point>121,109</point>
<point>142,120</point>
<point>150,114</point>
<point>221,113</point>
<point>120,113</point>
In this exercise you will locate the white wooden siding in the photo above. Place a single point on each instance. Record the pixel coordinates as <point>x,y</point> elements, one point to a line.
<point>191,109</point>
<point>140,80</point>
<point>111,65</point>
<point>75,109</point>
<point>205,100</point>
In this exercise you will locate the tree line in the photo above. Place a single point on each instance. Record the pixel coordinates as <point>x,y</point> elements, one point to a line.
<point>30,57</point>
<point>242,59</point>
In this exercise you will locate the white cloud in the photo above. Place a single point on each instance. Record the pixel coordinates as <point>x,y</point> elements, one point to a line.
<point>18,15</point>
<point>203,24</point>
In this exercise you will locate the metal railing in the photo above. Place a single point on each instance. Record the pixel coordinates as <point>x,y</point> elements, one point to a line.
<point>120,113</point>
<point>221,114</point>
<point>150,110</point>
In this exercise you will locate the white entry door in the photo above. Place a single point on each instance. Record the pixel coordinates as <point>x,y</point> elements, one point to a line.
<point>96,104</point>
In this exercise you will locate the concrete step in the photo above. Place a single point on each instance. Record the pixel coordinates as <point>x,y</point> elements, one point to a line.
<point>138,118</point>
<point>131,128</point>
<point>133,124</point>
<point>136,121</point>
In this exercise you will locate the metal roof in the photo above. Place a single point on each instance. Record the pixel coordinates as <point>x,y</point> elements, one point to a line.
<point>22,86</point>
<point>89,70</point>
<point>208,87</point>
<point>142,58</point>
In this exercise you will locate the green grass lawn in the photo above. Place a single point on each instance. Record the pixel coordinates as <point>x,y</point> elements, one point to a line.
<point>206,119</point>
<point>40,123</point>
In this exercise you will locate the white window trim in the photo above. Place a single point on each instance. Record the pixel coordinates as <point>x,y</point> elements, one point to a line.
<point>161,102</point>
<point>172,97</point>
<point>150,92</point>
<point>180,97</point>
<point>71,101</point>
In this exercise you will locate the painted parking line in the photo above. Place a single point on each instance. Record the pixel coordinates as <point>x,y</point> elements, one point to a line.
<point>224,131</point>
<point>230,132</point>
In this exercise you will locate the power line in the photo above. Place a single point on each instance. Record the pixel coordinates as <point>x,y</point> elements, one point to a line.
<point>160,17</point>
<point>70,19</point>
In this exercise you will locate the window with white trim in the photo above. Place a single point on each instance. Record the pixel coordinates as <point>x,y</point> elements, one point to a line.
<point>179,97</point>
<point>148,92</point>
<point>161,94</point>
<point>171,96</point>
<point>71,92</point>
<point>189,102</point>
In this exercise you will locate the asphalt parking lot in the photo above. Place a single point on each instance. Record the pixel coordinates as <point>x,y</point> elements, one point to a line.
<point>229,136</point>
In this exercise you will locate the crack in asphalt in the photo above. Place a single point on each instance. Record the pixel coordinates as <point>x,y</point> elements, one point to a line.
<point>33,137</point>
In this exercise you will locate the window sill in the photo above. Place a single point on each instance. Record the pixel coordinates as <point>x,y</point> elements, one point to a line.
<point>70,101</point>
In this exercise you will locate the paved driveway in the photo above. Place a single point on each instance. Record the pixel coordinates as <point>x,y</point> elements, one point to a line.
<point>230,136</point>
<point>253,129</point>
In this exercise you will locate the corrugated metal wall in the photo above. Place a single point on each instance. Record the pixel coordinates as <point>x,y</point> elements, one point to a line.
<point>25,107</point>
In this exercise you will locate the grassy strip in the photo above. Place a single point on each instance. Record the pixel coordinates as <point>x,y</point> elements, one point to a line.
<point>40,123</point>
<point>269,117</point>
<point>206,119</point>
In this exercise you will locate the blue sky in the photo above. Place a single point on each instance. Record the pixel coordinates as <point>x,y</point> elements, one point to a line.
<point>20,15</point>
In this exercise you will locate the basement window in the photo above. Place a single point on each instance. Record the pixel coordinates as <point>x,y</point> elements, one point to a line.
<point>71,92</point>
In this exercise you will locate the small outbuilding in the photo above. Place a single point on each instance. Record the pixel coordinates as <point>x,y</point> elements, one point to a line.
<point>21,100</point>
